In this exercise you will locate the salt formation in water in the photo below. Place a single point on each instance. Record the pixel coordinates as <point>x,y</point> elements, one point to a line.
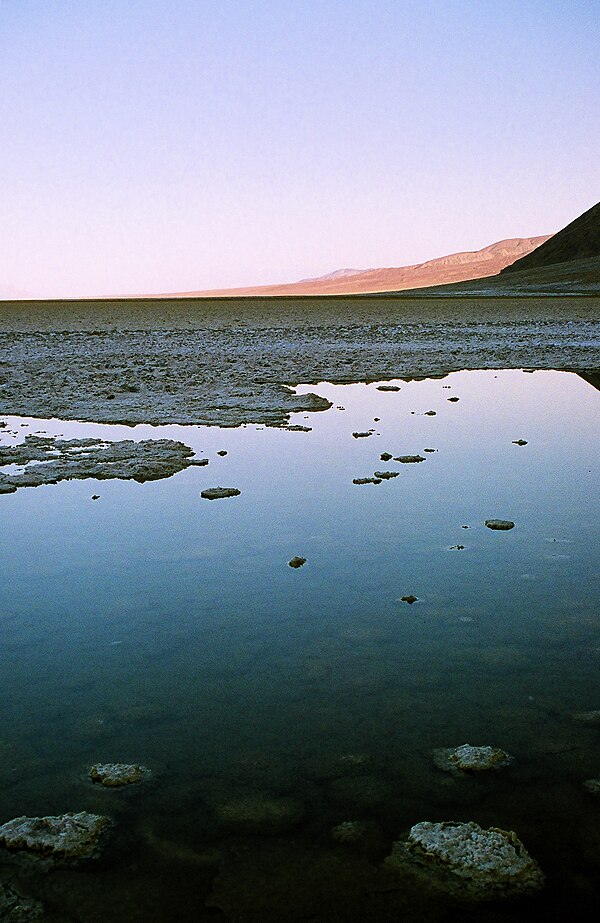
<point>409,459</point>
<point>219,493</point>
<point>114,775</point>
<point>468,759</point>
<point>501,525</point>
<point>67,836</point>
<point>48,460</point>
<point>468,862</point>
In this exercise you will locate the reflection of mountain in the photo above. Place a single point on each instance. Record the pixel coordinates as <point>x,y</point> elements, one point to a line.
<point>592,378</point>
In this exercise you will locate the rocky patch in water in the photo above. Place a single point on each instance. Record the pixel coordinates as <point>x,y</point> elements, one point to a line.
<point>468,862</point>
<point>64,837</point>
<point>219,493</point>
<point>409,459</point>
<point>499,525</point>
<point>297,561</point>
<point>386,475</point>
<point>48,460</point>
<point>366,480</point>
<point>115,775</point>
<point>468,759</point>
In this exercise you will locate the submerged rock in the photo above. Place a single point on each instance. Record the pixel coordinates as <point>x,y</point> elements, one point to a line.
<point>409,599</point>
<point>386,475</point>
<point>218,493</point>
<point>296,561</point>
<point>430,450</point>
<point>468,862</point>
<point>388,388</point>
<point>468,759</point>
<point>366,480</point>
<point>14,908</point>
<point>67,459</point>
<point>115,775</point>
<point>457,547</point>
<point>588,717</point>
<point>66,836</point>
<point>261,811</point>
<point>500,525</point>
<point>350,831</point>
<point>409,459</point>
<point>592,786</point>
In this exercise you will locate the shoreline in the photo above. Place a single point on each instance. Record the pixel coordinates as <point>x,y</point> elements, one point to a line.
<point>236,361</point>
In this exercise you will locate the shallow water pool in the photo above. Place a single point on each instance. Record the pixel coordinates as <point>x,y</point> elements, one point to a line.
<point>273,704</point>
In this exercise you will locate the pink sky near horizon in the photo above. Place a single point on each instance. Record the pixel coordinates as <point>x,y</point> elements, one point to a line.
<point>154,147</point>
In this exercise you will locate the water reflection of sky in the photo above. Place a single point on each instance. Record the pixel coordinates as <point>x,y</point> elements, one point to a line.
<point>152,601</point>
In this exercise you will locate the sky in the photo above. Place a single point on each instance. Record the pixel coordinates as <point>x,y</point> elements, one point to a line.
<point>157,146</point>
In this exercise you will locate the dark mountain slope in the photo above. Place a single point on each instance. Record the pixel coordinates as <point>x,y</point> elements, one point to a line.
<point>580,240</point>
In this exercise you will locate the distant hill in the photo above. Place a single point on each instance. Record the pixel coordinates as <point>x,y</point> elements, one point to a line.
<point>456,267</point>
<point>568,263</point>
<point>580,240</point>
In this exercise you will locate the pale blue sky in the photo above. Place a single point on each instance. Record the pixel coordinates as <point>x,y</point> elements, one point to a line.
<point>172,145</point>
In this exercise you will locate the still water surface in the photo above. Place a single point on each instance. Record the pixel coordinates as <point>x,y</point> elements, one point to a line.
<point>153,626</point>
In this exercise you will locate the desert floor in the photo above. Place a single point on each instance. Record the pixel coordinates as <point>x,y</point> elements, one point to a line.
<point>233,361</point>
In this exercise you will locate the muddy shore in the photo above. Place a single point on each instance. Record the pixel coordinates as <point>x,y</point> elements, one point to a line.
<point>232,361</point>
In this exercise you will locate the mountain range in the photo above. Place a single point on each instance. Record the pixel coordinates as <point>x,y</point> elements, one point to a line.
<point>456,267</point>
